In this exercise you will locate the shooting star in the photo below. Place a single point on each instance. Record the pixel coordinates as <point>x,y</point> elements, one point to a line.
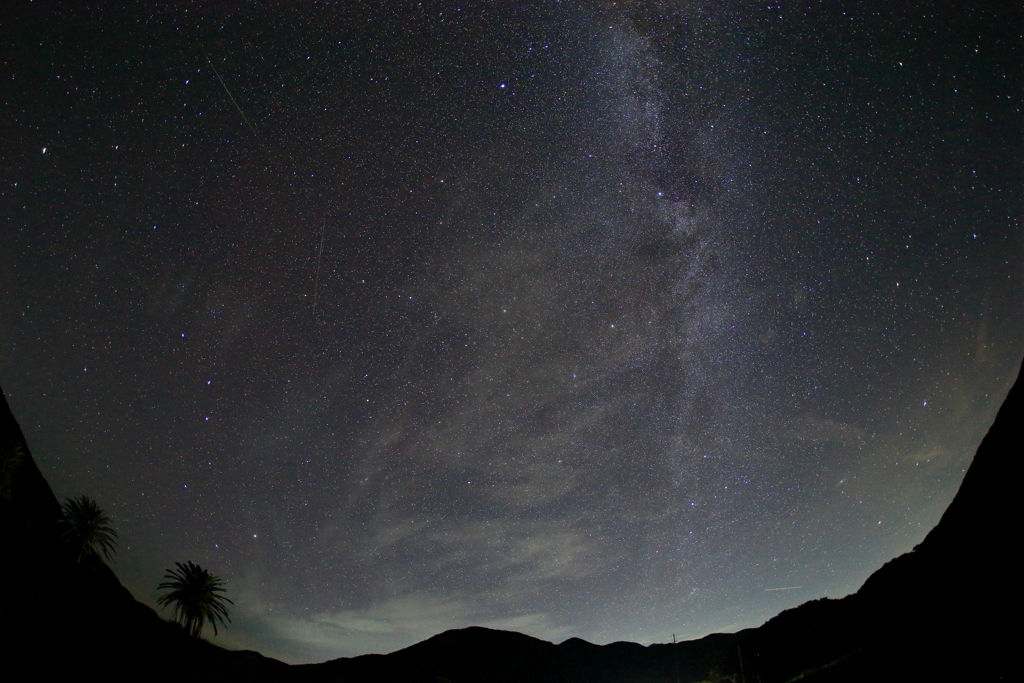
<point>787,588</point>
<point>319,257</point>
<point>225,86</point>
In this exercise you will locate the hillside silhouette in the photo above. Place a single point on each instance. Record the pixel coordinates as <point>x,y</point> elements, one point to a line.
<point>936,613</point>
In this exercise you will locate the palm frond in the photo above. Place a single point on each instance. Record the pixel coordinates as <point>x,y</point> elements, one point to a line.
<point>194,594</point>
<point>87,529</point>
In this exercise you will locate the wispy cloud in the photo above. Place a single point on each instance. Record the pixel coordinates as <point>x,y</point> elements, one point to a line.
<point>819,429</point>
<point>393,624</point>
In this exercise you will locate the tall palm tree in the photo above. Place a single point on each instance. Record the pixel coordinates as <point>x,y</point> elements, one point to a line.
<point>195,594</point>
<point>87,529</point>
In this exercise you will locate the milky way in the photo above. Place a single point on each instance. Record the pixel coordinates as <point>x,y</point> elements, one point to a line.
<point>571,319</point>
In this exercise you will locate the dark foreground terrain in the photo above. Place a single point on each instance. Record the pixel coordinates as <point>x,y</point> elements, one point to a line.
<point>938,613</point>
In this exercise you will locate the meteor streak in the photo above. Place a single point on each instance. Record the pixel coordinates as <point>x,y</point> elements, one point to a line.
<point>225,86</point>
<point>319,257</point>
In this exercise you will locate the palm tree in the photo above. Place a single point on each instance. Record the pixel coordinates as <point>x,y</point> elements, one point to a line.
<point>194,592</point>
<point>87,530</point>
<point>11,460</point>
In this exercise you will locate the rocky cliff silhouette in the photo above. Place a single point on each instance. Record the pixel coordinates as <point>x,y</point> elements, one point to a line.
<point>61,619</point>
<point>937,613</point>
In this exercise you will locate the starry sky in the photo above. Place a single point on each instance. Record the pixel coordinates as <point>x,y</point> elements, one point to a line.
<point>597,319</point>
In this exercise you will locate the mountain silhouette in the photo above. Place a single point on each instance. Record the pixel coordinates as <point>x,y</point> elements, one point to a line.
<point>937,613</point>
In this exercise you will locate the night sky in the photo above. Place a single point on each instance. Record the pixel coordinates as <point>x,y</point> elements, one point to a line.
<point>596,319</point>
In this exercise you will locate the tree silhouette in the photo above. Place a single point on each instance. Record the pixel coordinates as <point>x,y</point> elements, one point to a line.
<point>87,530</point>
<point>11,460</point>
<point>195,594</point>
